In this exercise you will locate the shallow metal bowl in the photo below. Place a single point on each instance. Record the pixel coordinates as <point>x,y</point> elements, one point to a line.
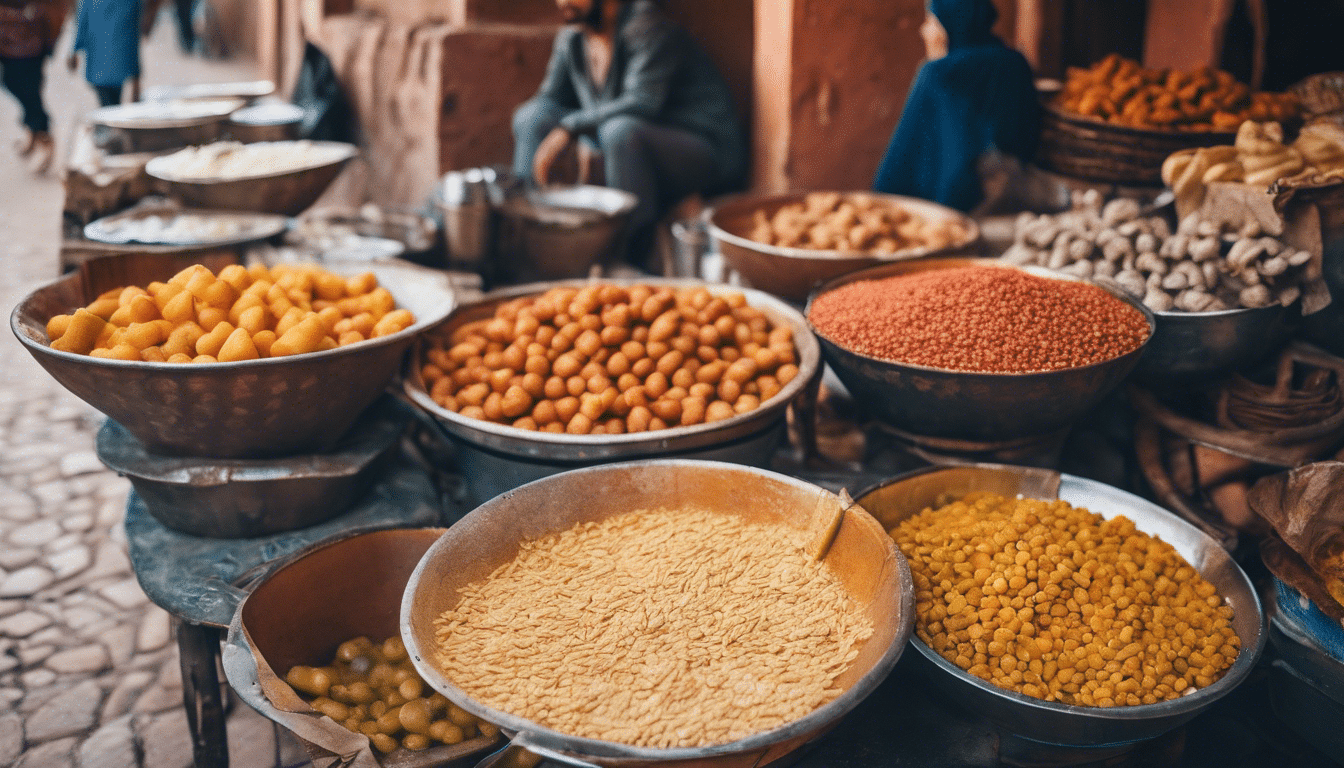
<point>250,409</point>
<point>559,232</point>
<point>1189,346</point>
<point>965,405</point>
<point>1064,724</point>
<point>302,608</point>
<point>862,556</point>
<point>793,272</point>
<point>497,457</point>
<point>287,193</point>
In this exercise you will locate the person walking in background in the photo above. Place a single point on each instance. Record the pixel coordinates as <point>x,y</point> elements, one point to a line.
<point>973,97</point>
<point>28,32</point>
<point>108,33</point>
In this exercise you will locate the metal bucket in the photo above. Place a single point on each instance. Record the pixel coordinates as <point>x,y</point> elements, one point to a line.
<point>862,556</point>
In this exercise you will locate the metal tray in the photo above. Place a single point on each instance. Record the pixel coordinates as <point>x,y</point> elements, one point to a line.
<point>257,226</point>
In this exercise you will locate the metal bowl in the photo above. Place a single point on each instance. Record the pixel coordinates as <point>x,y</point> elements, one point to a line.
<point>964,405</point>
<point>287,193</point>
<point>863,557</point>
<point>247,498</point>
<point>301,609</point>
<point>793,272</point>
<point>560,232</point>
<point>495,458</point>
<point>1190,346</point>
<point>275,121</point>
<point>1063,724</point>
<point>249,409</point>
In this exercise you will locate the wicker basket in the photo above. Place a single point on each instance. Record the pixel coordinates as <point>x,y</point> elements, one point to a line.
<point>1114,154</point>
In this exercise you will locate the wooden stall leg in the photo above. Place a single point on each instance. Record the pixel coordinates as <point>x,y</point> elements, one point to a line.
<point>198,648</point>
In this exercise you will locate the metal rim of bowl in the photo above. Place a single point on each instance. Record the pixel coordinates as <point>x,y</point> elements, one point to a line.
<point>1247,657</point>
<point>829,712</point>
<point>99,116</point>
<point>274,224</point>
<point>950,263</point>
<point>349,152</point>
<point>506,438</point>
<point>420,324</point>
<point>628,203</point>
<point>972,229</point>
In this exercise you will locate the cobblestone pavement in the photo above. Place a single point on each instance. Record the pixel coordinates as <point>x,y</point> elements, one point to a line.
<point>88,667</point>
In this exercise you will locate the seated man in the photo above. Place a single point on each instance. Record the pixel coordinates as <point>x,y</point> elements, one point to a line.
<point>626,78</point>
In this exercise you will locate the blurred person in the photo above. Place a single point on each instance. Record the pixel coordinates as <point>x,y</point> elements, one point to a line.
<point>625,80</point>
<point>108,33</point>
<point>973,98</point>
<point>28,32</point>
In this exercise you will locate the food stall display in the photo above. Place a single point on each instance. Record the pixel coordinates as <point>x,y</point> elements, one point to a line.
<point>1198,267</point>
<point>1121,91</point>
<point>1130,624</point>
<point>854,222</point>
<point>1258,158</point>
<point>240,314</point>
<point>611,359</point>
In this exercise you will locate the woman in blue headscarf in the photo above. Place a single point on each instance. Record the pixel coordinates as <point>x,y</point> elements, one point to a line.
<point>972,96</point>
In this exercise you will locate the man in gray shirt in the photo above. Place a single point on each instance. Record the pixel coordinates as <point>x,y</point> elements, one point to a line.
<point>625,78</point>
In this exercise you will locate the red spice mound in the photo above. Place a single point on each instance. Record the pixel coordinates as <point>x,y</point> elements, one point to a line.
<point>983,319</point>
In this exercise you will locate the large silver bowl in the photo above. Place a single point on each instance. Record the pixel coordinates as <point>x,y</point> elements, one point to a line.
<point>560,232</point>
<point>793,272</point>
<point>287,193</point>
<point>862,556</point>
<point>964,405</point>
<point>1190,346</point>
<point>1063,724</point>
<point>250,409</point>
<point>497,457</point>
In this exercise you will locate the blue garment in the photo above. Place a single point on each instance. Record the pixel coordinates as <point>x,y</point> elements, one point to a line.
<point>108,31</point>
<point>980,96</point>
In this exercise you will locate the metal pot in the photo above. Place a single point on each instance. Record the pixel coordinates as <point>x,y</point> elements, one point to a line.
<point>496,458</point>
<point>862,556</point>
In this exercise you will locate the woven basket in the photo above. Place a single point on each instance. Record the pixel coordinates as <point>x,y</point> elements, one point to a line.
<point>1115,154</point>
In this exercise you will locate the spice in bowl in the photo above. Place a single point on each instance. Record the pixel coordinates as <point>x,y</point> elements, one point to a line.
<point>1056,603</point>
<point>979,319</point>
<point>631,631</point>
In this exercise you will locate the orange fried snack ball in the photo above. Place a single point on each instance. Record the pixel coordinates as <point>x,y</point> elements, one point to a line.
<point>607,359</point>
<point>1054,602</point>
<point>239,314</point>
<point>1119,90</point>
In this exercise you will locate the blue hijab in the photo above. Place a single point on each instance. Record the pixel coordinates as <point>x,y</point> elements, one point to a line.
<point>980,96</point>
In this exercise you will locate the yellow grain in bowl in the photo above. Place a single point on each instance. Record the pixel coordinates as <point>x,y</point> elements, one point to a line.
<point>656,628</point>
<point>1052,601</point>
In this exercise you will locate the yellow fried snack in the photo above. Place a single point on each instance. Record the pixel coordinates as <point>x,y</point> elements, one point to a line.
<point>239,314</point>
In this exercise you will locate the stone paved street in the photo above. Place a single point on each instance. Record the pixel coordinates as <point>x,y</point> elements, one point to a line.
<point>88,667</point>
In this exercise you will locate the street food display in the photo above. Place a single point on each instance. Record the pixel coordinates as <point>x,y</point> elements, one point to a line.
<point>628,630</point>
<point>1054,602</point>
<point>1259,157</point>
<point>372,688</point>
<point>239,314</point>
<point>233,160</point>
<point>1121,91</point>
<point>979,318</point>
<point>853,222</point>
<point>1198,267</point>
<point>608,359</point>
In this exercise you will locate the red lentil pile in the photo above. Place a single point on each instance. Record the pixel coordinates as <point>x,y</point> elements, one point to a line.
<point>982,319</point>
